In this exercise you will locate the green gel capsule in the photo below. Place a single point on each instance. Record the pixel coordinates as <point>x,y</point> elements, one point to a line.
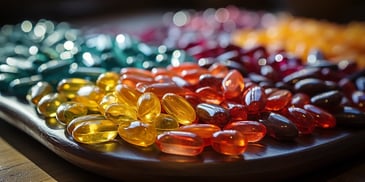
<point>54,70</point>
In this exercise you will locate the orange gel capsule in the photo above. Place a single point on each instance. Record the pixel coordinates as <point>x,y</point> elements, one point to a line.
<point>233,84</point>
<point>255,99</point>
<point>322,118</point>
<point>253,130</point>
<point>132,80</point>
<point>180,143</point>
<point>212,114</point>
<point>160,89</point>
<point>218,69</point>
<point>148,107</point>
<point>37,91</point>
<point>204,131</point>
<point>229,142</point>
<point>209,95</point>
<point>136,71</point>
<point>302,119</point>
<point>236,110</point>
<point>278,99</point>
<point>108,99</point>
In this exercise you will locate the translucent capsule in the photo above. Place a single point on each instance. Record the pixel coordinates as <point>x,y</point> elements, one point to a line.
<point>229,142</point>
<point>322,118</point>
<point>165,122</point>
<point>302,119</point>
<point>212,114</point>
<point>107,99</point>
<point>254,131</point>
<point>136,71</point>
<point>232,84</point>
<point>236,110</point>
<point>208,80</point>
<point>95,131</point>
<point>37,91</point>
<point>148,107</point>
<point>48,104</point>
<point>299,100</point>
<point>278,99</point>
<point>132,80</point>
<point>76,121</point>
<point>70,110</point>
<point>120,114</point>
<point>178,107</point>
<point>127,95</point>
<point>90,96</point>
<point>70,86</point>
<point>255,99</point>
<point>180,143</point>
<point>138,133</point>
<point>204,131</point>
<point>108,81</point>
<point>209,95</point>
<point>160,89</point>
<point>218,69</point>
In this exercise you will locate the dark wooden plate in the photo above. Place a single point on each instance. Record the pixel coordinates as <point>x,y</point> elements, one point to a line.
<point>266,160</point>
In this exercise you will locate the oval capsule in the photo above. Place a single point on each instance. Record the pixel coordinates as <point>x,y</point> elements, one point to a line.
<point>95,131</point>
<point>48,104</point>
<point>212,114</point>
<point>204,131</point>
<point>70,110</point>
<point>254,131</point>
<point>178,107</point>
<point>180,143</point>
<point>148,107</point>
<point>138,133</point>
<point>229,142</point>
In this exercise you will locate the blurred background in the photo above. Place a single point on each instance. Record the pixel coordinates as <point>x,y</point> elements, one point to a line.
<point>14,11</point>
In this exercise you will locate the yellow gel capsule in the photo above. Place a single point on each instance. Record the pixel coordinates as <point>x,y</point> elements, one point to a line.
<point>70,86</point>
<point>48,104</point>
<point>127,95</point>
<point>70,110</point>
<point>148,107</point>
<point>108,81</point>
<point>95,131</point>
<point>178,107</point>
<point>37,91</point>
<point>108,99</point>
<point>165,122</point>
<point>79,120</point>
<point>90,96</point>
<point>120,114</point>
<point>138,133</point>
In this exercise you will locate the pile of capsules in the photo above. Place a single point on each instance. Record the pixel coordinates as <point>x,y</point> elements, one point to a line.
<point>206,93</point>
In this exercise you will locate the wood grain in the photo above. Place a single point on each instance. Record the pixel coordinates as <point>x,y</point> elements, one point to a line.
<point>15,167</point>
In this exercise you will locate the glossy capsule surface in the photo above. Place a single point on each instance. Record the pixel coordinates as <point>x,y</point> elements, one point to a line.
<point>322,118</point>
<point>148,107</point>
<point>138,133</point>
<point>180,143</point>
<point>233,84</point>
<point>302,119</point>
<point>48,104</point>
<point>254,131</point>
<point>108,98</point>
<point>70,110</point>
<point>209,95</point>
<point>120,114</point>
<point>279,127</point>
<point>255,99</point>
<point>127,94</point>
<point>237,111</point>
<point>178,107</point>
<point>212,114</point>
<point>108,81</point>
<point>95,131</point>
<point>90,96</point>
<point>204,131</point>
<point>70,86</point>
<point>278,99</point>
<point>165,122</point>
<point>229,142</point>
<point>79,120</point>
<point>37,91</point>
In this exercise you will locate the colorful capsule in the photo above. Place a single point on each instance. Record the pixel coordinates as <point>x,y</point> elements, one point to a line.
<point>278,99</point>
<point>138,133</point>
<point>120,114</point>
<point>165,122</point>
<point>127,95</point>
<point>37,91</point>
<point>279,127</point>
<point>254,131</point>
<point>180,143</point>
<point>229,142</point>
<point>302,119</point>
<point>108,98</point>
<point>108,81</point>
<point>95,131</point>
<point>48,104</point>
<point>233,84</point>
<point>209,95</point>
<point>70,86</point>
<point>148,107</point>
<point>299,100</point>
<point>76,121</point>
<point>70,110</point>
<point>178,107</point>
<point>204,131</point>
<point>90,96</point>
<point>236,110</point>
<point>322,118</point>
<point>255,99</point>
<point>212,114</point>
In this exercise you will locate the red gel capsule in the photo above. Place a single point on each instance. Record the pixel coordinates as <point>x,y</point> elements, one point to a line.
<point>233,84</point>
<point>209,95</point>
<point>204,131</point>
<point>255,99</point>
<point>279,127</point>
<point>218,69</point>
<point>160,89</point>
<point>278,99</point>
<point>211,81</point>
<point>212,114</point>
<point>322,118</point>
<point>236,110</point>
<point>299,100</point>
<point>229,142</point>
<point>254,131</point>
<point>180,143</point>
<point>302,119</point>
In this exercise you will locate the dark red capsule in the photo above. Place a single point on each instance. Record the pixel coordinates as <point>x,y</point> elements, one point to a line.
<point>255,99</point>
<point>279,126</point>
<point>300,99</point>
<point>302,119</point>
<point>212,114</point>
<point>322,118</point>
<point>328,100</point>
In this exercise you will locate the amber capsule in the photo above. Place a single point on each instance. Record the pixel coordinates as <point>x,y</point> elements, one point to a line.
<point>136,71</point>
<point>160,89</point>
<point>204,131</point>
<point>279,126</point>
<point>37,91</point>
<point>299,100</point>
<point>322,118</point>
<point>132,80</point>
<point>95,131</point>
<point>48,104</point>
<point>180,143</point>
<point>127,95</point>
<point>138,133</point>
<point>278,99</point>
<point>232,84</point>
<point>192,75</point>
<point>236,110</point>
<point>229,142</point>
<point>165,122</point>
<point>302,119</point>
<point>70,86</point>
<point>76,121</point>
<point>107,99</point>
<point>218,69</point>
<point>182,67</point>
<point>209,95</point>
<point>255,99</point>
<point>148,107</point>
<point>107,81</point>
<point>90,96</point>
<point>70,110</point>
<point>178,107</point>
<point>254,131</point>
<point>212,114</point>
<point>120,114</point>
